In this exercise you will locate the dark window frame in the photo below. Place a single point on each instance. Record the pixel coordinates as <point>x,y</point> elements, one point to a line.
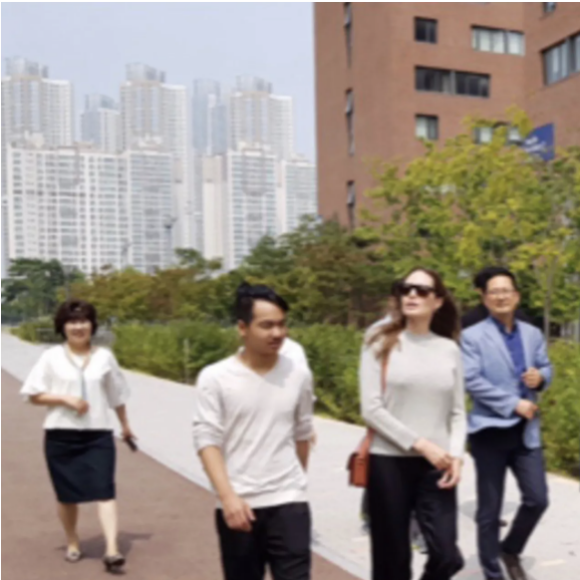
<point>348,31</point>
<point>458,83</point>
<point>426,30</point>
<point>568,56</point>
<point>349,114</point>
<point>351,202</point>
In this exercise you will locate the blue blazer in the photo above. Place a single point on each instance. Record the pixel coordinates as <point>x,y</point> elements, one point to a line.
<point>492,381</point>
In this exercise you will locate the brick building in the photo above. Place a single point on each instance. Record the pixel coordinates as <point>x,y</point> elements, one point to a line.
<point>388,73</point>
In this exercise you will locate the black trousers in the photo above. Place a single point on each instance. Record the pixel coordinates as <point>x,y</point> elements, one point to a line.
<point>397,487</point>
<point>495,451</point>
<point>280,538</point>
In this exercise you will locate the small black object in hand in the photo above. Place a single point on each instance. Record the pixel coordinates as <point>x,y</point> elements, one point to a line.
<point>131,443</point>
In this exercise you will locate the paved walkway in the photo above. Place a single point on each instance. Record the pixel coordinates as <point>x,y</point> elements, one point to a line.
<point>160,413</point>
<point>166,522</point>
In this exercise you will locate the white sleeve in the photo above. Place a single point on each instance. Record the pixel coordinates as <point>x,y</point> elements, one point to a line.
<point>303,426</point>
<point>116,387</point>
<point>208,429</point>
<point>38,380</point>
<point>458,416</point>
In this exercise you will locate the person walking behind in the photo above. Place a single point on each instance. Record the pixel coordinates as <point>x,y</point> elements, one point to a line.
<point>78,383</point>
<point>506,366</point>
<point>417,413</point>
<point>252,428</point>
<point>480,312</point>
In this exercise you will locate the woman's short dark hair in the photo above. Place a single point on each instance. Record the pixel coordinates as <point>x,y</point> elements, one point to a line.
<point>75,310</point>
<point>247,294</point>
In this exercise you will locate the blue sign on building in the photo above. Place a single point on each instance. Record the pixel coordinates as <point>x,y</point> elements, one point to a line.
<point>540,142</point>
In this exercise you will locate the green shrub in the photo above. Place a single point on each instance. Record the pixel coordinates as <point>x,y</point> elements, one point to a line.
<point>333,353</point>
<point>176,351</point>
<point>41,330</point>
<point>560,408</point>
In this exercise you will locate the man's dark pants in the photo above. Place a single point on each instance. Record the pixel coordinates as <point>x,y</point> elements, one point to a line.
<point>280,539</point>
<point>495,451</point>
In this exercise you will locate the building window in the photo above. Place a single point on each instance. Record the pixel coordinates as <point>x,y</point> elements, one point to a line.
<point>549,7</point>
<point>498,41</point>
<point>562,60</point>
<point>433,80</point>
<point>349,112</point>
<point>348,30</point>
<point>427,127</point>
<point>452,82</point>
<point>426,30</point>
<point>351,203</point>
<point>472,85</point>
<point>483,135</point>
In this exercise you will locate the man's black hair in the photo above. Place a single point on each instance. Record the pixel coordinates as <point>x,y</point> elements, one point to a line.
<point>247,294</point>
<point>483,277</point>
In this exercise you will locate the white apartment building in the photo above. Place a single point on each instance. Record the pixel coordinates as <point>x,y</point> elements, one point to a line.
<point>249,194</point>
<point>89,209</point>
<point>214,197</point>
<point>259,118</point>
<point>35,106</point>
<point>35,109</point>
<point>101,123</point>
<point>299,197</point>
<point>250,205</point>
<point>154,116</point>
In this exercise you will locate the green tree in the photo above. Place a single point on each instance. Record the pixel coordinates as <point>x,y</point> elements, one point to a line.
<point>32,287</point>
<point>463,206</point>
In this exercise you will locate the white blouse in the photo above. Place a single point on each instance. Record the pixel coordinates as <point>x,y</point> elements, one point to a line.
<point>105,387</point>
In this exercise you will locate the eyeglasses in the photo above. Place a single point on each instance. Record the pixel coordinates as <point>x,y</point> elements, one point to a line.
<point>500,292</point>
<point>422,291</point>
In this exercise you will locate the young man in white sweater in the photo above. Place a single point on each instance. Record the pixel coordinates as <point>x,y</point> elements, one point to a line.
<point>252,428</point>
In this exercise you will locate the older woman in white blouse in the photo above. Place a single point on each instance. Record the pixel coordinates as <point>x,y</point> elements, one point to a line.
<point>79,383</point>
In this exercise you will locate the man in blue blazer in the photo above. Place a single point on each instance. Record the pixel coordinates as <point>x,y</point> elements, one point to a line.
<point>506,365</point>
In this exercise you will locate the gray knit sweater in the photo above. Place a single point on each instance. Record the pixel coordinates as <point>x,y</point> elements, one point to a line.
<point>424,395</point>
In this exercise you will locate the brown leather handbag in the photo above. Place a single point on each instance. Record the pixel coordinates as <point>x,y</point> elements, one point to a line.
<point>358,462</point>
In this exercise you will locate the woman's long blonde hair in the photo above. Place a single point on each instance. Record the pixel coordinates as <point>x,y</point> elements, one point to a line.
<point>445,321</point>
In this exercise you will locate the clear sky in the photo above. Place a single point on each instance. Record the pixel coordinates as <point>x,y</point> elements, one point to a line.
<point>90,44</point>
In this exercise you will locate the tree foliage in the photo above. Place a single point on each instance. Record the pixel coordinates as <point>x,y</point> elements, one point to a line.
<point>464,206</point>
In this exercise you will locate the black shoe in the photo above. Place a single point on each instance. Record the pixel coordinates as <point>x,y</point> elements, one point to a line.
<point>114,564</point>
<point>513,566</point>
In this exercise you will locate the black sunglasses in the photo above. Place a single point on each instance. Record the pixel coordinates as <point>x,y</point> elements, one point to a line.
<point>404,289</point>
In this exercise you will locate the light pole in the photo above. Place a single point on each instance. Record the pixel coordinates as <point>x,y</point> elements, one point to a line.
<point>125,253</point>
<point>168,224</point>
<point>67,271</point>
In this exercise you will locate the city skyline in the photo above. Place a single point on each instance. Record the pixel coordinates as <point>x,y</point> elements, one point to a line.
<point>256,40</point>
<point>126,179</point>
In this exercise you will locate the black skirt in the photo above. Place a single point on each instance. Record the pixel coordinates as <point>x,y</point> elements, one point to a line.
<point>81,464</point>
